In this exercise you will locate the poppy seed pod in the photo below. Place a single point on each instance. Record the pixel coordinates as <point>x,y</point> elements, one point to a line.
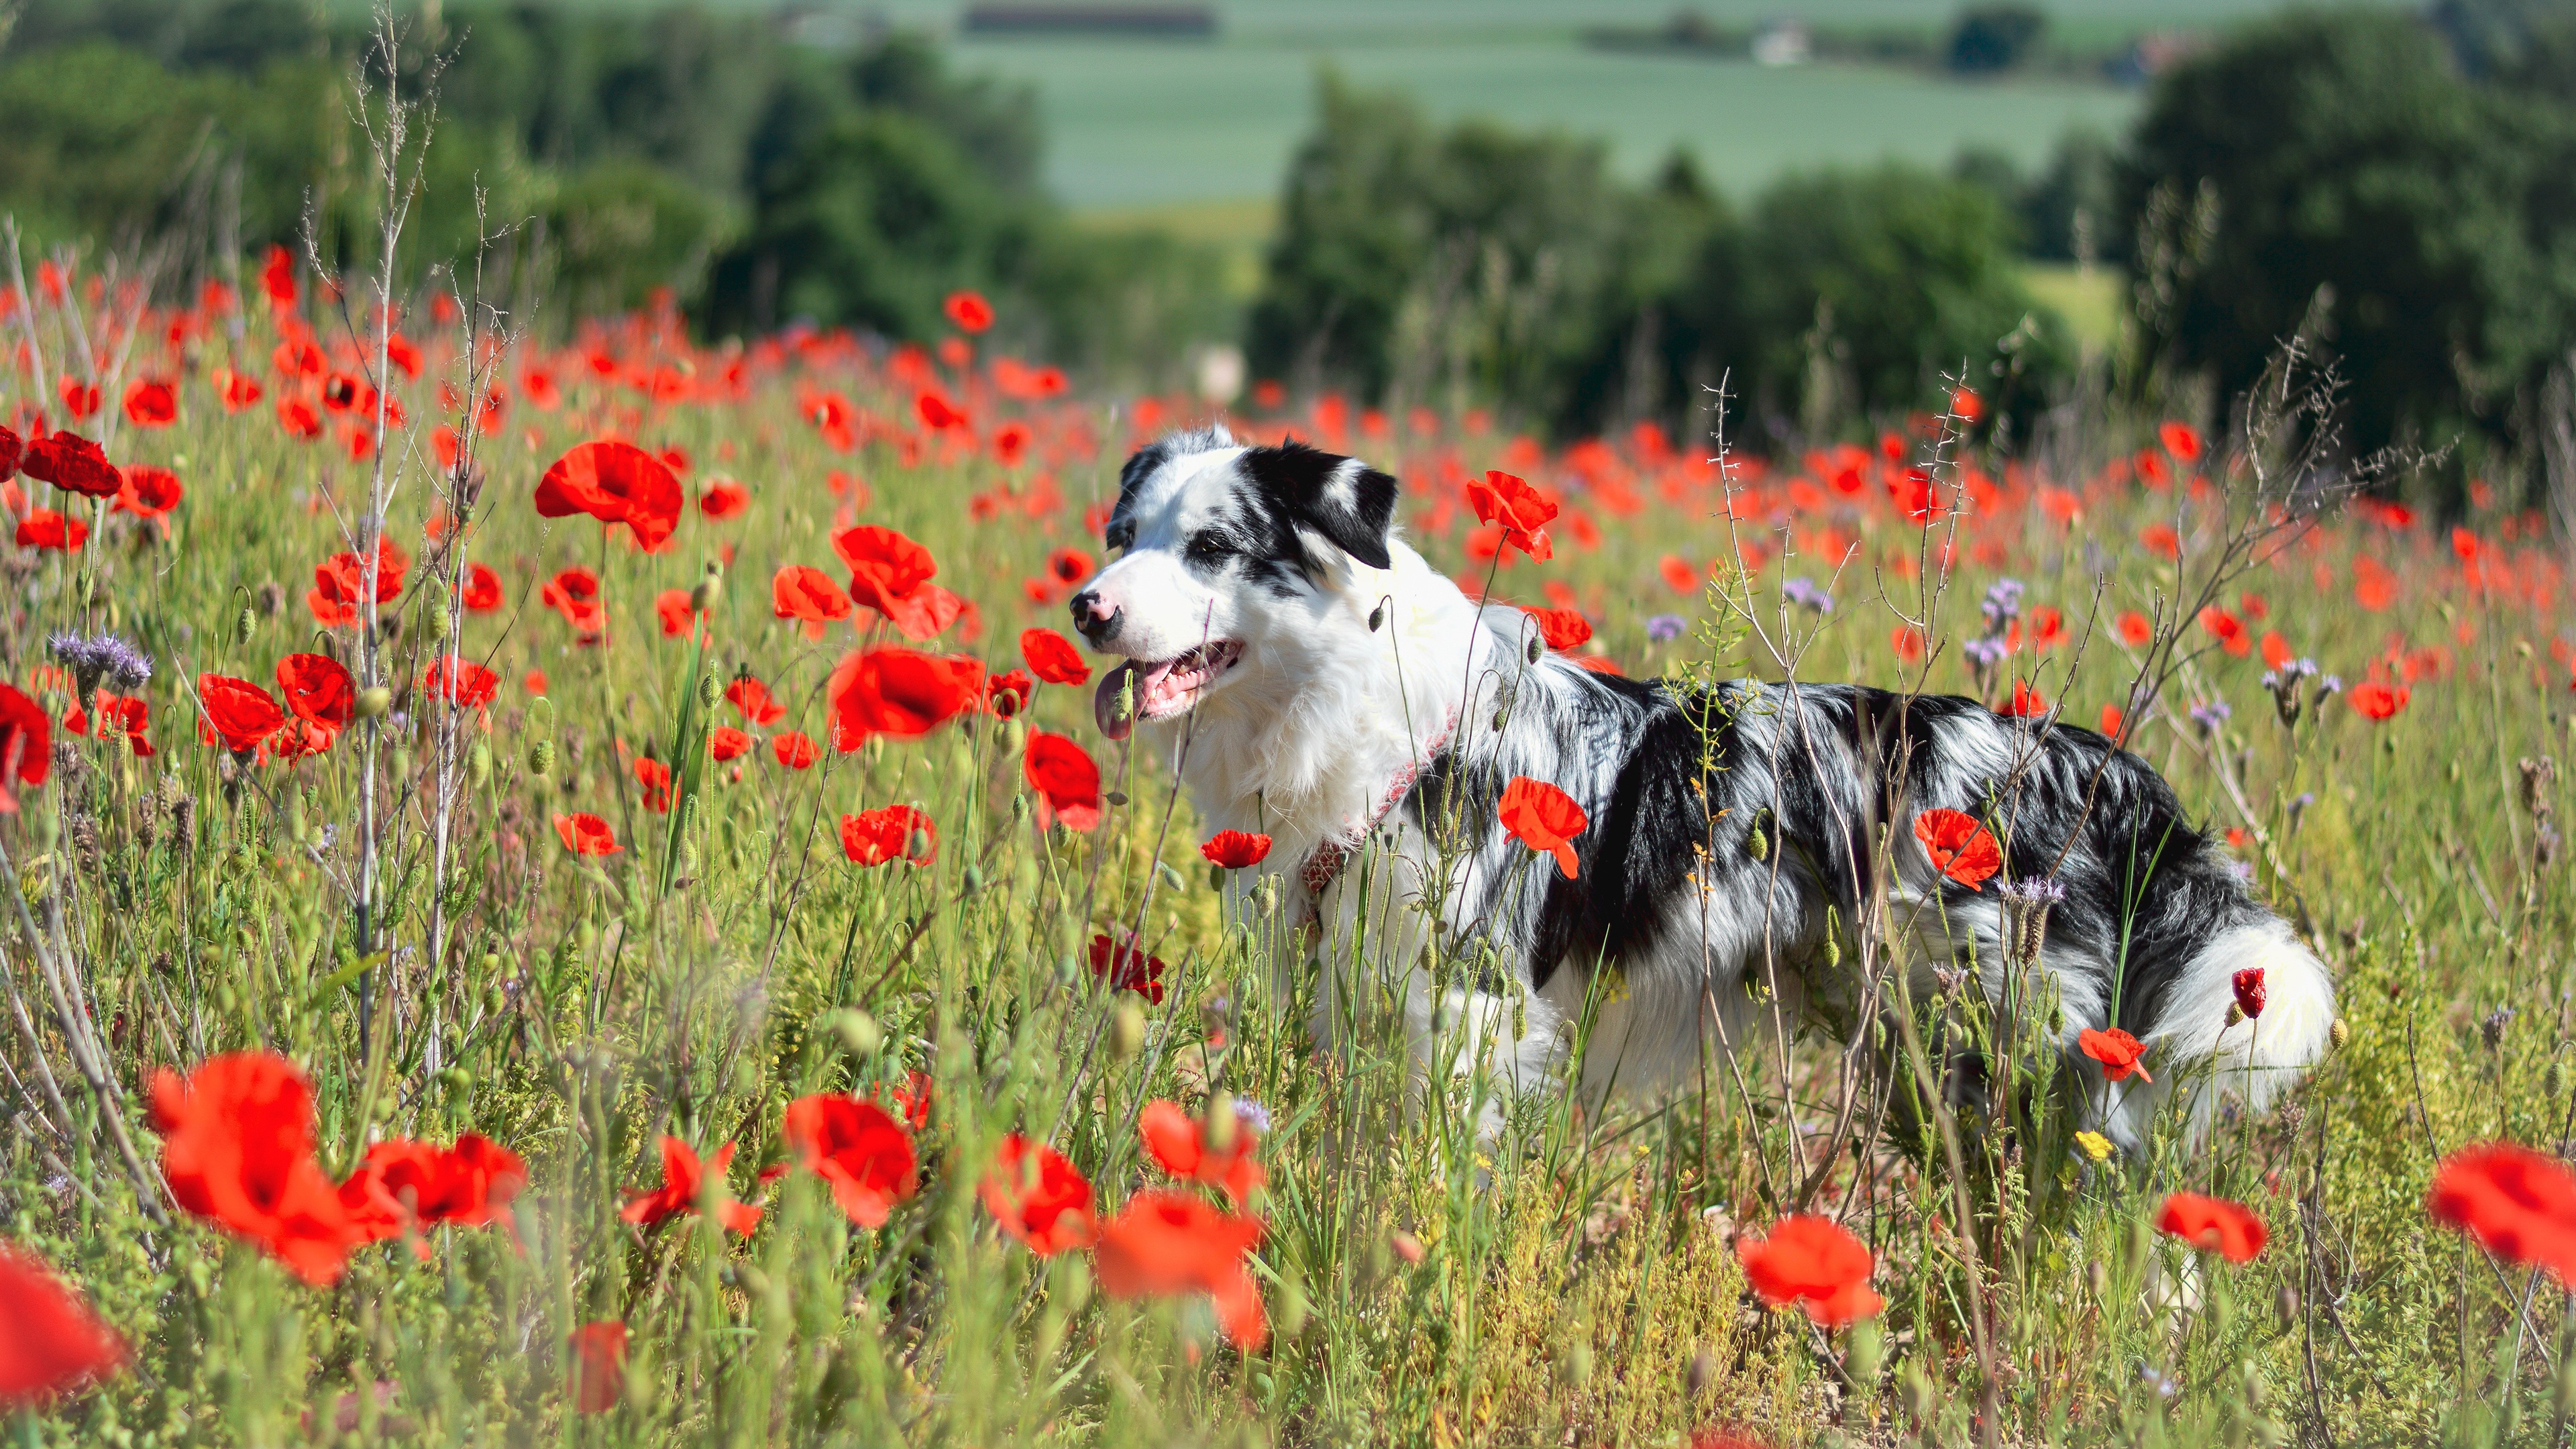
<point>373,702</point>
<point>1127,1031</point>
<point>709,589</point>
<point>1530,652</point>
<point>860,1035</point>
<point>709,692</point>
<point>541,758</point>
<point>246,626</point>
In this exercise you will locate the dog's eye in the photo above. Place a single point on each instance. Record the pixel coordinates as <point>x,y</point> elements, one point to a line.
<point>1205,548</point>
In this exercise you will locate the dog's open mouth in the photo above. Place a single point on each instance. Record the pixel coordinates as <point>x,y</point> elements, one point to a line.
<point>1161,689</point>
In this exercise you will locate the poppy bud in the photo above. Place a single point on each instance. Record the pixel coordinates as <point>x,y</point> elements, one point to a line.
<point>478,764</point>
<point>1499,717</point>
<point>709,692</point>
<point>2235,1013</point>
<point>2338,1034</point>
<point>541,758</point>
<point>918,844</point>
<point>373,701</point>
<point>1377,616</point>
<point>1116,797</point>
<point>246,626</point>
<point>860,1035</point>
<point>1222,1128</point>
<point>709,589</point>
<point>1531,652</point>
<point>440,625</point>
<point>1127,1031</point>
<point>1757,844</point>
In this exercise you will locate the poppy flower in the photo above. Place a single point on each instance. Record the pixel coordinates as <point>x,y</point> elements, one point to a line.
<point>1065,778</point>
<point>684,1179</point>
<point>1562,629</point>
<point>405,1187</point>
<point>911,1098</point>
<point>2213,1224</point>
<point>2376,701</point>
<point>2180,439</point>
<point>43,528</point>
<point>615,482</point>
<point>1235,849</point>
<point>2517,1203</point>
<point>726,744</point>
<point>72,463</point>
<point>2228,630</point>
<point>1010,444</point>
<point>482,591</point>
<point>454,677</point>
<point>1815,1263</point>
<point>863,1153</point>
<point>802,592</point>
<point>891,574</point>
<point>1522,512</point>
<point>1960,847</point>
<point>237,1150</point>
<point>296,418</point>
<point>80,398</point>
<point>1052,657</point>
<point>151,403</point>
<point>574,593</point>
<point>585,834</point>
<point>2248,985</point>
<point>118,715</point>
<point>1170,1244</point>
<point>13,450</point>
<point>673,610</point>
<point>899,692</point>
<point>26,743</point>
<point>51,1341</point>
<point>241,713</point>
<point>936,412</point>
<point>795,749</point>
<point>969,311</point>
<point>1038,1197</point>
<point>752,699</point>
<point>655,779</point>
<point>2117,1051</point>
<point>598,1366</point>
<point>723,499</point>
<point>277,277</point>
<point>2026,702</point>
<point>2161,540</point>
<point>1008,693</point>
<point>1127,968</point>
<point>2135,629</point>
<point>317,687</point>
<point>1544,818</point>
<point>873,837</point>
<point>149,492</point>
<point>237,391</point>
<point>1174,1139</point>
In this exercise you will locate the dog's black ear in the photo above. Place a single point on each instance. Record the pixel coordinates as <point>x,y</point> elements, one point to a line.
<point>1349,503</point>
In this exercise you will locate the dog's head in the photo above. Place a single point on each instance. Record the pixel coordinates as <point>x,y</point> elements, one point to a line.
<point>1223,551</point>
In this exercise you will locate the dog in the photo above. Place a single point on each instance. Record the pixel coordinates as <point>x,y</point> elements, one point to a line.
<point>1315,680</point>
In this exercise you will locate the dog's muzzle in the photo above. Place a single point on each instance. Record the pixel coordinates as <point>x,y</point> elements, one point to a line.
<point>1095,620</point>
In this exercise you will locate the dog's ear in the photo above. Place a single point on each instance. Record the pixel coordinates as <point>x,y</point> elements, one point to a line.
<point>1349,503</point>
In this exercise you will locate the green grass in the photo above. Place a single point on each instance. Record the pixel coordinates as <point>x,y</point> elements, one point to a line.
<point>2093,301</point>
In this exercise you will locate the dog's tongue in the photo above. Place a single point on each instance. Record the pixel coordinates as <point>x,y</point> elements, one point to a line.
<point>1115,721</point>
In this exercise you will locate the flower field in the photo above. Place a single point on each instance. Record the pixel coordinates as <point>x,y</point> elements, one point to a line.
<point>569,892</point>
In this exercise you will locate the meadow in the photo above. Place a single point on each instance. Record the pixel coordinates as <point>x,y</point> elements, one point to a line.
<point>567,893</point>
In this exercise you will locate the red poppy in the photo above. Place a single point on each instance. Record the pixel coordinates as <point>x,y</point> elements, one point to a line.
<point>13,450</point>
<point>800,591</point>
<point>911,1098</point>
<point>80,398</point>
<point>2026,702</point>
<point>2213,1224</point>
<point>684,1179</point>
<point>598,1366</point>
<point>724,498</point>
<point>405,1187</point>
<point>969,311</point>
<point>1235,849</point>
<point>1174,1139</point>
<point>316,687</point>
<point>151,403</point>
<point>937,413</point>
<point>1039,1198</point>
<point>43,528</point>
<point>1815,1263</point>
<point>2228,630</point>
<point>342,393</point>
<point>454,677</point>
<point>1127,968</point>
<point>574,593</point>
<point>752,699</point>
<point>2180,439</point>
<point>795,749</point>
<point>296,418</point>
<point>672,609</point>
<point>117,715</point>
<point>899,692</point>
<point>1167,1244</point>
<point>1052,657</point>
<point>855,1146</point>
<point>585,834</point>
<point>149,492</point>
<point>615,482</point>
<point>339,590</point>
<point>277,277</point>
<point>726,744</point>
<point>873,837</point>
<point>1008,693</point>
<point>72,463</point>
<point>1522,512</point>
<point>891,574</point>
<point>2161,540</point>
<point>51,1341</point>
<point>2248,985</point>
<point>2117,1051</point>
<point>1010,444</point>
<point>237,1150</point>
<point>1960,847</point>
<point>1561,628</point>
<point>238,391</point>
<point>655,778</point>
<point>2517,1203</point>
<point>299,356</point>
<point>240,712</point>
<point>1544,818</point>
<point>2376,701</point>
<point>482,591</point>
<point>2136,629</point>
<point>1065,778</point>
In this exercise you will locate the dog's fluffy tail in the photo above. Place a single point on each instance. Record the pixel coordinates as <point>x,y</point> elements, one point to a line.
<point>2198,1057</point>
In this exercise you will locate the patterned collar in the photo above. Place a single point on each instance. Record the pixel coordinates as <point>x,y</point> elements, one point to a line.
<point>1324,866</point>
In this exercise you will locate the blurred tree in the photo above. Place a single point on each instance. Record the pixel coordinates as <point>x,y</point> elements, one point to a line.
<point>2425,223</point>
<point>1996,37</point>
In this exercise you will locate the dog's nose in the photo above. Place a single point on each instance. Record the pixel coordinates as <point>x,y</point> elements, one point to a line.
<point>1095,620</point>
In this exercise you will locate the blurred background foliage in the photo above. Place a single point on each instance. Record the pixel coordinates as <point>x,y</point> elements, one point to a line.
<point>2398,186</point>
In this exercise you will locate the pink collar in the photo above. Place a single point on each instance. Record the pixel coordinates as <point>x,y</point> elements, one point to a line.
<point>1324,866</point>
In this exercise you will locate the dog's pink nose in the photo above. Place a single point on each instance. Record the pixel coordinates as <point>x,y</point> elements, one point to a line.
<point>1095,619</point>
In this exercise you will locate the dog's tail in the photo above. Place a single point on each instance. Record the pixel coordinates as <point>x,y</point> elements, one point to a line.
<point>2201,1058</point>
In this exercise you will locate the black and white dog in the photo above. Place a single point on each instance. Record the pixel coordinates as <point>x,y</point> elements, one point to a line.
<point>1319,682</point>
